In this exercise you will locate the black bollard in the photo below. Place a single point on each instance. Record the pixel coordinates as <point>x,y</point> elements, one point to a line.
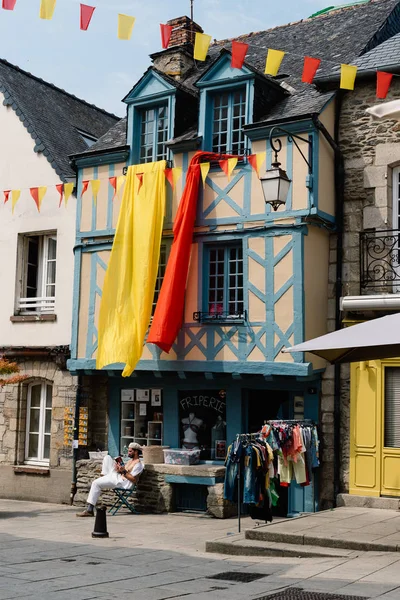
<point>100,524</point>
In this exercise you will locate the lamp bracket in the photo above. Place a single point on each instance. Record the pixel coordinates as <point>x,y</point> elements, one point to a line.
<point>276,144</point>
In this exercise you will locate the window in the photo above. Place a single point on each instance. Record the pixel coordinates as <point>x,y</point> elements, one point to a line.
<point>38,423</point>
<point>225,282</point>
<point>229,116</point>
<point>38,273</point>
<point>88,138</point>
<point>141,418</point>
<point>160,276</point>
<point>392,407</point>
<point>154,134</point>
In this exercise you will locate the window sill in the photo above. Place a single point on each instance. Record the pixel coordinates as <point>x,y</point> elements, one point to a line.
<point>32,470</point>
<point>33,318</point>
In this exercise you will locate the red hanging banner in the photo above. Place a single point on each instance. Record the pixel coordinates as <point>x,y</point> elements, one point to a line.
<point>239,51</point>
<point>383,81</point>
<point>85,185</point>
<point>166,31</point>
<point>60,190</point>
<point>6,195</point>
<point>86,16</point>
<point>113,183</point>
<point>8,4</point>
<point>310,68</point>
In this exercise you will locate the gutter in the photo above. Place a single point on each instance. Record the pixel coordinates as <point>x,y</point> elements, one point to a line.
<point>364,74</point>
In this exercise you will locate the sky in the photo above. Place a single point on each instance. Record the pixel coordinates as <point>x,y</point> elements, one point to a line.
<point>96,66</point>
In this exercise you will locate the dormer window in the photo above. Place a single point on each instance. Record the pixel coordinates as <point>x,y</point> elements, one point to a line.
<point>153,133</point>
<point>229,116</point>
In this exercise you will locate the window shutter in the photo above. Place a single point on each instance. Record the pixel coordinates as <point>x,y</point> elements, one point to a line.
<point>392,407</point>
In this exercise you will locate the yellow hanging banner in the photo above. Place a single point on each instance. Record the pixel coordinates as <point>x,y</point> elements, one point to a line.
<point>131,275</point>
<point>68,189</point>
<point>15,194</point>
<point>47,9</point>
<point>125,26</point>
<point>204,168</point>
<point>274,60</point>
<point>201,45</point>
<point>95,189</point>
<point>347,77</point>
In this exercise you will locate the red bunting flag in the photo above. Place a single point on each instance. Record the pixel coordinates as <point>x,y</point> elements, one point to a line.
<point>6,195</point>
<point>166,31</point>
<point>224,166</point>
<point>383,81</point>
<point>35,195</point>
<point>170,177</point>
<point>113,183</point>
<point>310,68</point>
<point>239,51</point>
<point>8,4</point>
<point>86,16</point>
<point>140,177</point>
<point>60,190</point>
<point>85,185</point>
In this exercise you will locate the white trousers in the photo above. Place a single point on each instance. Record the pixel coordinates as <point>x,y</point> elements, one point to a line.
<point>110,480</point>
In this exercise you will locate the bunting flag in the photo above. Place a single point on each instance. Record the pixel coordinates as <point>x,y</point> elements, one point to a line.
<point>38,194</point>
<point>9,4</point>
<point>60,190</point>
<point>47,9</point>
<point>310,68</point>
<point>166,31</point>
<point>256,160</point>
<point>273,62</point>
<point>173,176</point>
<point>347,76</point>
<point>68,189</point>
<point>85,185</point>
<point>204,168</point>
<point>6,195</point>
<point>15,194</point>
<point>95,183</point>
<point>86,16</point>
<point>125,26</point>
<point>383,81</point>
<point>140,178</point>
<point>239,51</point>
<point>227,165</point>
<point>113,183</point>
<point>201,45</point>
<point>120,182</point>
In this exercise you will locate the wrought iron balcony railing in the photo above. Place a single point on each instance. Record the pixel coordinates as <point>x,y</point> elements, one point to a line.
<point>222,316</point>
<point>380,261</point>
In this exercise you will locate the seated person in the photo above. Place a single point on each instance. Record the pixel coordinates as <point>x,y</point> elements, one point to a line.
<point>114,476</point>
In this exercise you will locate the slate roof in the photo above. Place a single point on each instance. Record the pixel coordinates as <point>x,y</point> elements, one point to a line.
<point>336,36</point>
<point>52,116</point>
<point>114,138</point>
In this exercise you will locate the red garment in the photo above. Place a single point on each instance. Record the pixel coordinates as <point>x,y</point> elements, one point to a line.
<point>168,315</point>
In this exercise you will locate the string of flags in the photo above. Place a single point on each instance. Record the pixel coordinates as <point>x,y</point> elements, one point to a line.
<point>172,175</point>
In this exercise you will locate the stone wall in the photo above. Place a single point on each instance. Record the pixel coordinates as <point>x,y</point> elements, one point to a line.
<point>371,149</point>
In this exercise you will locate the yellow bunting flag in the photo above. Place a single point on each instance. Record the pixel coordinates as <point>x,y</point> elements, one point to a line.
<point>347,77</point>
<point>15,194</point>
<point>232,162</point>
<point>120,182</point>
<point>47,9</point>
<point>201,45</point>
<point>95,189</point>
<point>68,189</point>
<point>204,167</point>
<point>176,174</point>
<point>274,60</point>
<point>41,194</point>
<point>125,26</point>
<point>256,160</point>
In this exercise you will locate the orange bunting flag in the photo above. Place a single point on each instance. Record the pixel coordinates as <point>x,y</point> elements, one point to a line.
<point>347,77</point>
<point>201,45</point>
<point>383,81</point>
<point>173,176</point>
<point>166,31</point>
<point>125,26</point>
<point>113,183</point>
<point>227,166</point>
<point>6,195</point>
<point>95,189</point>
<point>9,4</point>
<point>15,194</point>
<point>68,189</point>
<point>60,190</point>
<point>47,9</point>
<point>239,51</point>
<point>140,178</point>
<point>86,16</point>
<point>204,168</point>
<point>310,68</point>
<point>256,160</point>
<point>273,62</point>
<point>85,185</point>
<point>38,194</point>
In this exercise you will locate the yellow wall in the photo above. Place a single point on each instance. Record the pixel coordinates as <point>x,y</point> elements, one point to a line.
<point>326,175</point>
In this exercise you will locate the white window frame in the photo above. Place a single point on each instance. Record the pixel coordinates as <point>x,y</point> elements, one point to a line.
<point>396,197</point>
<point>41,303</point>
<point>38,460</point>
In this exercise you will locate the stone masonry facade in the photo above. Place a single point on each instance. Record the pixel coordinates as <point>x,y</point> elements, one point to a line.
<point>371,150</point>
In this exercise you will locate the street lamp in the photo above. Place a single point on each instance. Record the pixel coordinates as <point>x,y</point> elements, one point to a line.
<point>276,183</point>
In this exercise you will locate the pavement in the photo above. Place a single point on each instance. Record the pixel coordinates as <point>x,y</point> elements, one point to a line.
<point>47,553</point>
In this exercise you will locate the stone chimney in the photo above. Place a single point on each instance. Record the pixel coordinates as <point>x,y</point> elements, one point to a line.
<point>177,59</point>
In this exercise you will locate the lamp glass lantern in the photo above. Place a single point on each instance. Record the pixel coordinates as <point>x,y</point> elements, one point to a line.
<point>275,186</point>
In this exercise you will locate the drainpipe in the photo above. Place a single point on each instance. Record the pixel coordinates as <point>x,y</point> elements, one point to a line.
<point>339,201</point>
<point>75,443</point>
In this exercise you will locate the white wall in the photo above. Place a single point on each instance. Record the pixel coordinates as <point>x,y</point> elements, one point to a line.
<point>22,168</point>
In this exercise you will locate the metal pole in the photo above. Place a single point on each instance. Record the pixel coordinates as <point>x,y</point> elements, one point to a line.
<point>239,501</point>
<point>191,9</point>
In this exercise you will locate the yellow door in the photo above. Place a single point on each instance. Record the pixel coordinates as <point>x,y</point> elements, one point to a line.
<point>390,469</point>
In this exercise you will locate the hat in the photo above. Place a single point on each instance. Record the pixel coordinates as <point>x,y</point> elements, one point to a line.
<point>135,446</point>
